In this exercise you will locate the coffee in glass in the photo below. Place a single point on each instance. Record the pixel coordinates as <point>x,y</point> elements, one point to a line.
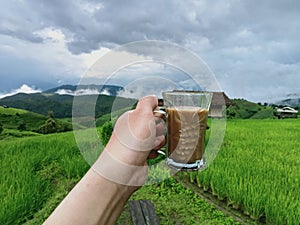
<point>187,114</point>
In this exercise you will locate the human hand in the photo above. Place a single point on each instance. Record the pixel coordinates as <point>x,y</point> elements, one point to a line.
<point>136,134</point>
<point>122,168</point>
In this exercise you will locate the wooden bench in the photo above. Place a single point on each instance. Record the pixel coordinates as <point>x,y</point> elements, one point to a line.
<point>143,212</point>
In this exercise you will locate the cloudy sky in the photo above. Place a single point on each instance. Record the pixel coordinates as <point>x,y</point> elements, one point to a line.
<point>252,46</point>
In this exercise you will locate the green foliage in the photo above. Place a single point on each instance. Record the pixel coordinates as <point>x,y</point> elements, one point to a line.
<point>101,120</point>
<point>51,114</point>
<point>22,120</point>
<point>11,118</point>
<point>61,105</point>
<point>49,127</point>
<point>41,103</point>
<point>1,128</point>
<point>53,126</point>
<point>105,132</point>
<point>244,109</point>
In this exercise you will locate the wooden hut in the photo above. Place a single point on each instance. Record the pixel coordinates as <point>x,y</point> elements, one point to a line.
<point>219,103</point>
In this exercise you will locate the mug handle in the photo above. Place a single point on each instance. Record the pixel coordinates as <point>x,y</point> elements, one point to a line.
<point>160,113</point>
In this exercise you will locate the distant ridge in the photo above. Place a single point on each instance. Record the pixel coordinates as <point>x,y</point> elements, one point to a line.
<point>61,106</point>
<point>59,100</point>
<point>292,102</point>
<point>66,86</point>
<point>109,89</point>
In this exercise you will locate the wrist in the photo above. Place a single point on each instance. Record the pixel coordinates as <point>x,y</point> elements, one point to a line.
<point>118,190</point>
<point>115,170</point>
<point>123,153</point>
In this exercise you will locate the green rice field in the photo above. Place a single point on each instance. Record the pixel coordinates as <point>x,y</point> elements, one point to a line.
<point>256,172</point>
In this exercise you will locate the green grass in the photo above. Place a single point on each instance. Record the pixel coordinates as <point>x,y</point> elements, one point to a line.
<point>11,111</point>
<point>36,173</point>
<point>8,134</point>
<point>175,204</point>
<point>263,113</point>
<point>11,118</point>
<point>257,170</point>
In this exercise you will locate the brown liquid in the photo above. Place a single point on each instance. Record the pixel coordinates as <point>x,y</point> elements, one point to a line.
<point>186,133</point>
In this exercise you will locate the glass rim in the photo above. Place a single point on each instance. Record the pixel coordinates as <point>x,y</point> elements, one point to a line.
<point>186,92</point>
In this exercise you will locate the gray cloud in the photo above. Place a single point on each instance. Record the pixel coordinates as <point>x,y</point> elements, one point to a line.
<point>122,22</point>
<point>115,22</point>
<point>249,44</point>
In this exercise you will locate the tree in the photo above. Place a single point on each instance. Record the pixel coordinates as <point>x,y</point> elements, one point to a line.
<point>106,131</point>
<point>51,114</point>
<point>48,127</point>
<point>1,128</point>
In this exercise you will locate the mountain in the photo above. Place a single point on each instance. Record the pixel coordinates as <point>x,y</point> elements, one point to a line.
<point>292,100</point>
<point>85,89</point>
<point>60,105</point>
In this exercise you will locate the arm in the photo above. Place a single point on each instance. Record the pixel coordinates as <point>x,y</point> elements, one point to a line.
<point>120,170</point>
<point>94,200</point>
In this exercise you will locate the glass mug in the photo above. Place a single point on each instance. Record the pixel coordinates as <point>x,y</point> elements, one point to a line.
<point>186,115</point>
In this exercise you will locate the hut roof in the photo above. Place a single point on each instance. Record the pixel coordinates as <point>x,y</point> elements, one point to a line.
<point>220,98</point>
<point>287,110</point>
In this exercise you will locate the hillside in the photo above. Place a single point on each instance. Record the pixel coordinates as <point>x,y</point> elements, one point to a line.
<point>40,103</point>
<point>243,109</point>
<point>19,123</point>
<point>11,118</point>
<point>71,89</point>
<point>61,105</point>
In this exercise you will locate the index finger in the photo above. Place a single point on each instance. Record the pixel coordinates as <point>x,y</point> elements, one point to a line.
<point>147,103</point>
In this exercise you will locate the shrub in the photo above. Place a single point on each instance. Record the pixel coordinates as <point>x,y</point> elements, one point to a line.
<point>48,127</point>
<point>106,132</point>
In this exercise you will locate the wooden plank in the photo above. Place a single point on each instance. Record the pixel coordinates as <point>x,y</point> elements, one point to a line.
<point>149,212</point>
<point>143,212</point>
<point>136,213</point>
